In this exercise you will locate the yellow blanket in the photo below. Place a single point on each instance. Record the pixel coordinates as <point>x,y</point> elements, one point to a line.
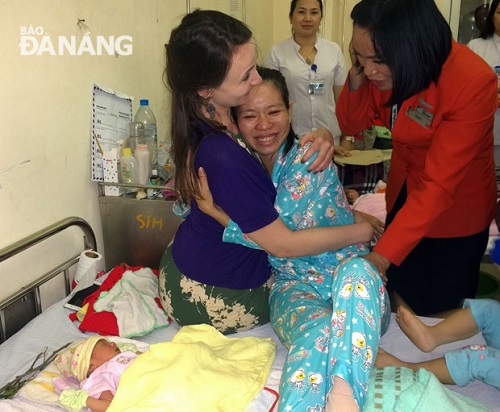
<point>199,370</point>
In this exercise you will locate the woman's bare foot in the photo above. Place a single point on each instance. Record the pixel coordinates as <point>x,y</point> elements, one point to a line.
<point>418,332</point>
<point>384,359</point>
<point>341,397</point>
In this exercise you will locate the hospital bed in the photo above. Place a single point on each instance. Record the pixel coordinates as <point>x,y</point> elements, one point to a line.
<point>52,329</point>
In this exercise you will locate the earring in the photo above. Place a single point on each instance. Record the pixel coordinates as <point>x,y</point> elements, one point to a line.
<point>210,108</point>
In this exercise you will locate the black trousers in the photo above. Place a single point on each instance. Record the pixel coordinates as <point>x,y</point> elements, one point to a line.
<point>439,272</point>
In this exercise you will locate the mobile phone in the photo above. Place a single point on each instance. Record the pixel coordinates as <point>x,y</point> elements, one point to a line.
<point>76,301</point>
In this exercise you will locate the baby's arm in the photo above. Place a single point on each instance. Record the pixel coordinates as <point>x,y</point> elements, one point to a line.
<point>101,404</point>
<point>75,399</point>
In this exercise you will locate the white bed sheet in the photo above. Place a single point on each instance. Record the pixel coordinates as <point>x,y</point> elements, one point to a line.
<point>53,329</point>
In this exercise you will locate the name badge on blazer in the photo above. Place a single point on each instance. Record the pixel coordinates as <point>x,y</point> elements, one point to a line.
<point>421,113</point>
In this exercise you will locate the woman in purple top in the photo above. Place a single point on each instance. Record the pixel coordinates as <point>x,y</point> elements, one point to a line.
<point>211,67</point>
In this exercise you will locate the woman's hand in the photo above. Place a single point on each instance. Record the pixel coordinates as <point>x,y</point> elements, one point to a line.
<point>367,229</point>
<point>377,225</point>
<point>321,142</point>
<point>346,146</point>
<point>356,75</point>
<point>380,262</point>
<point>341,150</point>
<point>206,203</point>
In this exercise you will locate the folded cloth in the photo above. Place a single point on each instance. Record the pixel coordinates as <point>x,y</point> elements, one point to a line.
<point>400,389</point>
<point>132,301</point>
<point>199,370</point>
<point>103,323</point>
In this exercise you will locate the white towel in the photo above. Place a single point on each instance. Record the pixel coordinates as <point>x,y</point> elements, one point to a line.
<point>132,300</point>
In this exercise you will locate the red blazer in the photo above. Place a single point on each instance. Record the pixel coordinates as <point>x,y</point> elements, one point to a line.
<point>448,166</point>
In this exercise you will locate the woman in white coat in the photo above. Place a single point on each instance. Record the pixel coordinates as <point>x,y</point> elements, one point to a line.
<point>314,69</point>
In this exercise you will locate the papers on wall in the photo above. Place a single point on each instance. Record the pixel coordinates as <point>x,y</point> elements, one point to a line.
<point>111,115</point>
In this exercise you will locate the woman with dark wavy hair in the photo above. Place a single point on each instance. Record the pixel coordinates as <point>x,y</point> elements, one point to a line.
<point>439,99</point>
<point>211,68</point>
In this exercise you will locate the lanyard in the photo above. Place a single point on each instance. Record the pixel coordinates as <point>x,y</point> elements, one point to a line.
<point>394,114</point>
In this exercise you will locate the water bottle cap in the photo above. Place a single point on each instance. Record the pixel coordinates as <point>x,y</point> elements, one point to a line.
<point>144,102</point>
<point>127,151</point>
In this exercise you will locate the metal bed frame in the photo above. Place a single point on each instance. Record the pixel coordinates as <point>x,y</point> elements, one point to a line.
<point>14,307</point>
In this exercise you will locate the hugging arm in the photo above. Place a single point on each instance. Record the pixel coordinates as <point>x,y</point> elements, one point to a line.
<point>101,404</point>
<point>206,202</point>
<point>278,240</point>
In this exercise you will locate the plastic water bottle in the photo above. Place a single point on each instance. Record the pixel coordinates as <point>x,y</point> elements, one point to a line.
<point>146,116</point>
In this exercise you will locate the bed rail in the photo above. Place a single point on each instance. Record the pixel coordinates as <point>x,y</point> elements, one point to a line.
<point>33,288</point>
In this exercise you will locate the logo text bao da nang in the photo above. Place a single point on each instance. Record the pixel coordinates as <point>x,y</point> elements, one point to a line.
<point>35,42</point>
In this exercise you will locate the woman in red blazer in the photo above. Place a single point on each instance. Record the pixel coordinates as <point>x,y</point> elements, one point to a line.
<point>439,99</point>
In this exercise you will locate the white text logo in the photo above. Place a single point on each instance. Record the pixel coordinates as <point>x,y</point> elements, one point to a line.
<point>35,42</point>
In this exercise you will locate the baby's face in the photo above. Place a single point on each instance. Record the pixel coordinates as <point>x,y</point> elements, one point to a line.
<point>352,195</point>
<point>103,352</point>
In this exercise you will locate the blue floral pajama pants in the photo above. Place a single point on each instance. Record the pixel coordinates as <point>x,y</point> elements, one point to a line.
<point>331,327</point>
